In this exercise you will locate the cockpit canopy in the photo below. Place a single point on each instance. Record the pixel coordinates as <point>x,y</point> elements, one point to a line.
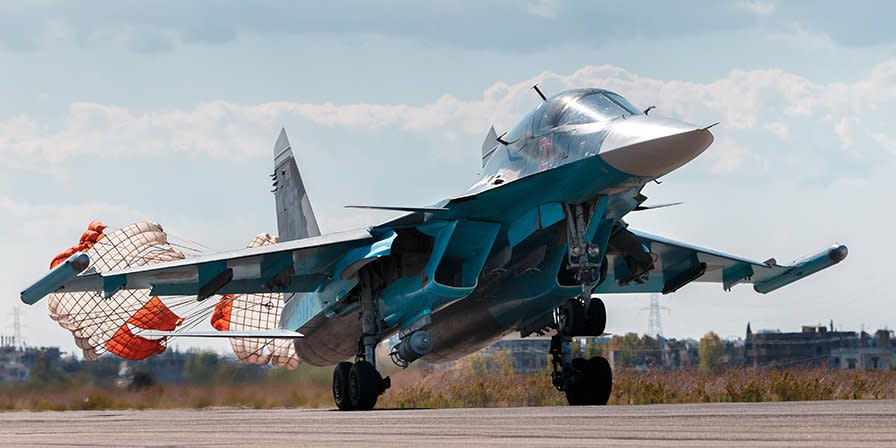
<point>573,107</point>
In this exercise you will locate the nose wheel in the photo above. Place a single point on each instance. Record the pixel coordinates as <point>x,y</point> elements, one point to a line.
<point>583,320</point>
<point>592,382</point>
<point>586,382</point>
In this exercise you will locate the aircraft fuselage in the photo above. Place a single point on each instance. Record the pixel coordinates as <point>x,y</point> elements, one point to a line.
<point>501,248</point>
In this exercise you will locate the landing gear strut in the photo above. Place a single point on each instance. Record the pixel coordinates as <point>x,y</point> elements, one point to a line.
<point>585,381</point>
<point>357,386</point>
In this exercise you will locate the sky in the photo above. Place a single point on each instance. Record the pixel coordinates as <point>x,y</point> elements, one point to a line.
<point>168,111</point>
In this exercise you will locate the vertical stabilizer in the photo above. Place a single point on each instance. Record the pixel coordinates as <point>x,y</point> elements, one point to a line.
<point>295,218</point>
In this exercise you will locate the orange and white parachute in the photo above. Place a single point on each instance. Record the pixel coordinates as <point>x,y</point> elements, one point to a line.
<point>115,325</point>
<point>255,312</point>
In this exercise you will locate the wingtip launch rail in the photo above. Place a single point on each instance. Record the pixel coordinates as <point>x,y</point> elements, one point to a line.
<point>804,268</point>
<point>53,280</point>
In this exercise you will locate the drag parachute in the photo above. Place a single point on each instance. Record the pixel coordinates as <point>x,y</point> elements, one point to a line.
<point>255,312</point>
<point>116,325</point>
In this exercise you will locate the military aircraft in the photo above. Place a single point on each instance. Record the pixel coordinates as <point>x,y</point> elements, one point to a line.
<point>528,248</point>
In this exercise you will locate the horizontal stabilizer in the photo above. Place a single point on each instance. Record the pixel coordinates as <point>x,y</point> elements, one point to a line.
<point>400,209</point>
<point>268,334</point>
<point>651,207</point>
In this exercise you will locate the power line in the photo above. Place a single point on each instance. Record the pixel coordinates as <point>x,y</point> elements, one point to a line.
<point>17,326</point>
<point>654,319</point>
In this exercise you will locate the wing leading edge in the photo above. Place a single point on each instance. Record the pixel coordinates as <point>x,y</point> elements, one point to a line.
<point>675,264</point>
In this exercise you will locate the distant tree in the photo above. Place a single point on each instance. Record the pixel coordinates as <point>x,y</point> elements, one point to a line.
<point>100,372</point>
<point>45,371</point>
<point>593,348</point>
<point>200,368</point>
<point>631,350</point>
<point>711,350</point>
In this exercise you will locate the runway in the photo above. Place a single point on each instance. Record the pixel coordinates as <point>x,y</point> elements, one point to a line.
<point>816,424</point>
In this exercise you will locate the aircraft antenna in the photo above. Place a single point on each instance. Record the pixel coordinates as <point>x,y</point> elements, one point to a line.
<point>539,92</point>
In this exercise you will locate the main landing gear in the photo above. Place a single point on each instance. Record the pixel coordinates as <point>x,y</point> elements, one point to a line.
<point>585,381</point>
<point>357,386</point>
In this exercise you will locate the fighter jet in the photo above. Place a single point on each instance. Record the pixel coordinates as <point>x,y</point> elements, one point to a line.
<point>528,248</point>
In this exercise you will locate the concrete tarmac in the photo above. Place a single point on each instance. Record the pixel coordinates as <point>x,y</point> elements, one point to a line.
<point>815,424</point>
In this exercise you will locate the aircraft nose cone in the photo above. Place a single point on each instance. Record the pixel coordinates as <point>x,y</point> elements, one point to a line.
<point>648,147</point>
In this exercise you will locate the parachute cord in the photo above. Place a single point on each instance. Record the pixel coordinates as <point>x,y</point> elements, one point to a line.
<point>204,248</point>
<point>194,251</point>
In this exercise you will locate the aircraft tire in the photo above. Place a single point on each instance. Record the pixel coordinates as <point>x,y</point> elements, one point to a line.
<point>601,380</point>
<point>596,318</point>
<point>365,385</point>
<point>340,386</point>
<point>579,389</point>
<point>574,311</point>
<point>592,382</point>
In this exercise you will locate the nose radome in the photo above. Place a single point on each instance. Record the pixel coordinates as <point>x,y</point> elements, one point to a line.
<point>651,147</point>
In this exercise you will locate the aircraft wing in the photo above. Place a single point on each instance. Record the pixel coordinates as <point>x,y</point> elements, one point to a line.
<point>292,266</point>
<point>672,265</point>
<point>265,334</point>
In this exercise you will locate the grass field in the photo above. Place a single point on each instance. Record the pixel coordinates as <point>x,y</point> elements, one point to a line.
<point>472,382</point>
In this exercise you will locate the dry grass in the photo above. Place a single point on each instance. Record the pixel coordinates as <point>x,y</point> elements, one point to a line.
<point>473,382</point>
<point>463,386</point>
<point>747,385</point>
<point>259,396</point>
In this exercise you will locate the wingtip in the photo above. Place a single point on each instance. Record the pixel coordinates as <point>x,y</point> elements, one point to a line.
<point>838,252</point>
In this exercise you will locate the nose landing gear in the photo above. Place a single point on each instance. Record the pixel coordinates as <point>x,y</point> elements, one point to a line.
<point>586,382</point>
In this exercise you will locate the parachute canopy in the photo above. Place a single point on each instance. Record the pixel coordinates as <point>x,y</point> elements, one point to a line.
<point>255,312</point>
<point>115,325</point>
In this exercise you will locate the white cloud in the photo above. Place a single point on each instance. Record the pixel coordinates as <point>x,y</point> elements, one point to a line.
<point>64,219</point>
<point>543,8</point>
<point>842,129</point>
<point>728,157</point>
<point>779,129</point>
<point>799,35</point>
<point>773,100</point>
<point>757,7</point>
<point>886,141</point>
